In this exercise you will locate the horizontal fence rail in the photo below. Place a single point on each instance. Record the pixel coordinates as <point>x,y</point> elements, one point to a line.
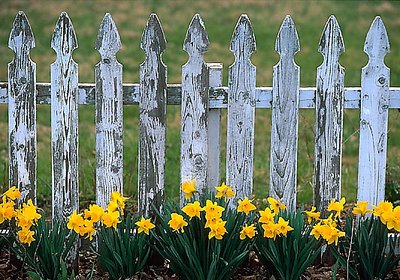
<point>217,96</point>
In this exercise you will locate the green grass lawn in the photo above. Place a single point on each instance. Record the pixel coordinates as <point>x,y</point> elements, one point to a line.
<point>220,17</point>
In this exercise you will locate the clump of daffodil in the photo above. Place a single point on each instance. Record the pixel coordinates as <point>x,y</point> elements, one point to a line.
<point>189,188</point>
<point>84,223</point>
<point>388,215</point>
<point>273,225</point>
<point>25,217</point>
<point>144,225</point>
<point>327,229</point>
<point>213,215</point>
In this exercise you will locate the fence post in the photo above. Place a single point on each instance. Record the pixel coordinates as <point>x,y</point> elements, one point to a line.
<point>214,130</point>
<point>22,109</point>
<point>329,101</point>
<point>109,143</point>
<point>241,110</point>
<point>375,80</point>
<point>194,107</point>
<point>284,131</point>
<point>152,104</point>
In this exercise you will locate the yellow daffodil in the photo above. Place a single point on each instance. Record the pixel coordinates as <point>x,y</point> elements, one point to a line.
<point>312,214</point>
<point>383,210</point>
<point>192,209</point>
<point>7,211</point>
<point>189,188</point>
<point>25,236</point>
<point>275,205</point>
<point>269,230</point>
<point>282,227</point>
<point>317,230</point>
<point>245,206</point>
<point>213,209</point>
<point>112,206</point>
<point>211,221</point>
<point>111,219</point>
<point>75,222</point>
<point>266,216</point>
<point>224,191</point>
<point>12,193</point>
<point>144,225</point>
<point>361,208</point>
<point>119,199</point>
<point>87,229</point>
<point>337,206</point>
<point>94,213</point>
<point>333,235</point>
<point>248,231</point>
<point>218,230</point>
<point>177,222</point>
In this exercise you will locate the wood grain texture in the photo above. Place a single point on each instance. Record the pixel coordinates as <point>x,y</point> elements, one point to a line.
<point>22,110</point>
<point>64,121</point>
<point>152,129</point>
<point>329,118</point>
<point>109,144</point>
<point>241,110</point>
<point>214,130</point>
<point>375,80</point>
<point>284,132</point>
<point>194,107</point>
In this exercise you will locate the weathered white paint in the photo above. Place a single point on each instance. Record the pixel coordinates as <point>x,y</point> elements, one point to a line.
<point>194,108</point>
<point>284,131</point>
<point>329,117</point>
<point>108,75</point>
<point>214,130</point>
<point>64,121</point>
<point>375,80</point>
<point>152,104</point>
<point>241,110</point>
<point>22,109</point>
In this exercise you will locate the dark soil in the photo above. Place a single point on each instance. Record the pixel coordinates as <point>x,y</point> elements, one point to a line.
<point>251,270</point>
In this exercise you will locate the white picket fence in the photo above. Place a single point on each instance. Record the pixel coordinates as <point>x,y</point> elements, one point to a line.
<point>202,97</point>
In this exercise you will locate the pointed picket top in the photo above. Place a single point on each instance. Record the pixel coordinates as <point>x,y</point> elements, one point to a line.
<point>21,38</point>
<point>153,38</point>
<point>377,41</point>
<point>196,40</point>
<point>243,39</point>
<point>287,41</point>
<point>108,41</point>
<point>64,38</point>
<point>331,40</point>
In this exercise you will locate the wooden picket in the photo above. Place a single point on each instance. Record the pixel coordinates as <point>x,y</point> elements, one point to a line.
<point>375,79</point>
<point>64,121</point>
<point>241,110</point>
<point>329,101</point>
<point>285,103</point>
<point>152,127</point>
<point>109,152</point>
<point>194,108</point>
<point>202,98</point>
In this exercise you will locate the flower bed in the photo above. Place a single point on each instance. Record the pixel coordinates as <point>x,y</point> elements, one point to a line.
<point>213,236</point>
